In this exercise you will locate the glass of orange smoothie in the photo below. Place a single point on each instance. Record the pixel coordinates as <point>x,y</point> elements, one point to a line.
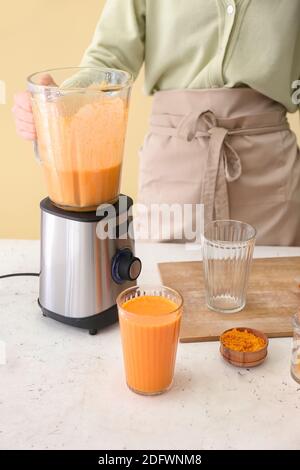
<point>81,116</point>
<point>149,321</point>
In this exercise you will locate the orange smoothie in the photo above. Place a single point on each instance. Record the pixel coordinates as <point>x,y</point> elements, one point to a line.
<point>82,190</point>
<point>150,330</point>
<point>80,142</point>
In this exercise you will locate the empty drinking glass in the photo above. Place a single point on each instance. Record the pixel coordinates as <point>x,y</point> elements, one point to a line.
<point>295,366</point>
<point>227,254</point>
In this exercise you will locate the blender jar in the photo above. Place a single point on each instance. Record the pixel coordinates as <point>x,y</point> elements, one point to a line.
<point>81,120</point>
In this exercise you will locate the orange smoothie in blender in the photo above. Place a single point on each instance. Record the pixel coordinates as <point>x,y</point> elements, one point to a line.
<point>149,329</point>
<point>80,142</point>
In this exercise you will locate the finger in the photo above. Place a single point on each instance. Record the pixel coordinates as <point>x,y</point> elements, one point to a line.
<point>26,135</point>
<point>23,100</point>
<point>46,79</point>
<point>23,115</point>
<point>25,126</point>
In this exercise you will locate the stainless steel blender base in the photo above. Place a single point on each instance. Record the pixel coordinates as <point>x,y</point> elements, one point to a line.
<point>81,274</point>
<point>93,323</point>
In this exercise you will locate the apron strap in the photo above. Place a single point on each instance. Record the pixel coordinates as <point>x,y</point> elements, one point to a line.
<point>223,164</point>
<point>214,189</point>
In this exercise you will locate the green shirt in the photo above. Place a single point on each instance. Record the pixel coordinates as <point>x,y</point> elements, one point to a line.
<point>203,44</point>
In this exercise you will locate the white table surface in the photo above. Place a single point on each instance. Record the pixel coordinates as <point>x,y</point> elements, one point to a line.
<point>63,389</point>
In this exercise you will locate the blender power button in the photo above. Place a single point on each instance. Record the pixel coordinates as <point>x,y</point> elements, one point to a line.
<point>135,269</point>
<point>125,266</point>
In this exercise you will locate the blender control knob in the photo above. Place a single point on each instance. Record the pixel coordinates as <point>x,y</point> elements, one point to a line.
<point>125,266</point>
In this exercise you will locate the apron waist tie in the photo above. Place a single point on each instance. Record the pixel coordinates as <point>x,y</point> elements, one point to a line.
<point>223,163</point>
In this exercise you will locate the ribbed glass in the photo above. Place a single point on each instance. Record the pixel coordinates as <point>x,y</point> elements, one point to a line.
<point>149,341</point>
<point>227,254</point>
<point>295,365</point>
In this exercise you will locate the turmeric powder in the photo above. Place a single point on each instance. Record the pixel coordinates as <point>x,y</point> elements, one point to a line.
<point>242,341</point>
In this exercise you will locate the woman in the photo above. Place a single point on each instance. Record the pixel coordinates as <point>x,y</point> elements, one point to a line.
<point>221,72</point>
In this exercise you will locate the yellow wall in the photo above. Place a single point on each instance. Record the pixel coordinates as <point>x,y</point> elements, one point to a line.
<point>39,34</point>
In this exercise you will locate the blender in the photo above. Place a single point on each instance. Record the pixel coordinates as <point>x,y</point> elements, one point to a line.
<point>81,121</point>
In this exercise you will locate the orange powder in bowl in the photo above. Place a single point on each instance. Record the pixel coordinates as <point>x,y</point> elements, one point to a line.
<point>242,341</point>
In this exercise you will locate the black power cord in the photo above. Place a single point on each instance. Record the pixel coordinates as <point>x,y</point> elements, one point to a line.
<point>19,274</point>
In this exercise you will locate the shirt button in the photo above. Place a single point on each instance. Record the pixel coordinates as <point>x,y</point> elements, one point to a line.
<point>230,9</point>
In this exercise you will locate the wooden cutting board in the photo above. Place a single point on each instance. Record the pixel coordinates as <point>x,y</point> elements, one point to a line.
<point>273,297</point>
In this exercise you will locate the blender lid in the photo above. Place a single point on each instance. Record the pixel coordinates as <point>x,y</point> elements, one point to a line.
<point>121,205</point>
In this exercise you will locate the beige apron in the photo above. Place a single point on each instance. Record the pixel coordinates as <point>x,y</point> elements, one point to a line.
<point>230,149</point>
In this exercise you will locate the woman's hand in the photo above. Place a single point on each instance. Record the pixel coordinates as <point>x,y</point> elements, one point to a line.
<point>22,111</point>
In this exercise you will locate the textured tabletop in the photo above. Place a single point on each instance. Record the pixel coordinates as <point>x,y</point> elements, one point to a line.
<point>63,389</point>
